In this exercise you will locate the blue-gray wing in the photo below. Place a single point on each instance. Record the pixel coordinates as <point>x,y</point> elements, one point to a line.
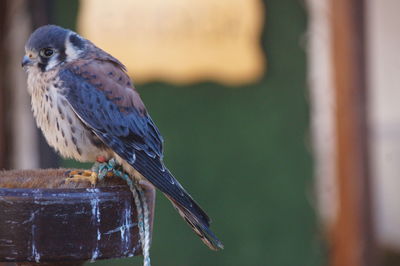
<point>115,114</point>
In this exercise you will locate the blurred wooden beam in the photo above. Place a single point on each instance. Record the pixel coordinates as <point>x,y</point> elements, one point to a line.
<point>18,135</point>
<point>353,233</point>
<point>43,13</point>
<point>4,148</point>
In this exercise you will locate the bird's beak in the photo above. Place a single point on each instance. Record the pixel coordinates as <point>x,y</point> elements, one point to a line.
<point>26,61</point>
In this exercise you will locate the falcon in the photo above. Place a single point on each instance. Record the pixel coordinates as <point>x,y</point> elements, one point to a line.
<point>88,109</point>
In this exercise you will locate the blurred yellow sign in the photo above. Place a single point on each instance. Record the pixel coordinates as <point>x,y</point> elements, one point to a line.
<point>179,41</point>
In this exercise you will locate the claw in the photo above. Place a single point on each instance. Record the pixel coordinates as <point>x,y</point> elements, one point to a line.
<point>100,170</point>
<point>78,176</point>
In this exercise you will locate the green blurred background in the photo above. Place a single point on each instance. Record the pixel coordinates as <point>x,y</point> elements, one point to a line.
<point>242,152</point>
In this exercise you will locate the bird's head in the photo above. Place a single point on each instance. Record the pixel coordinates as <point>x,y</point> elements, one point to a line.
<point>49,46</point>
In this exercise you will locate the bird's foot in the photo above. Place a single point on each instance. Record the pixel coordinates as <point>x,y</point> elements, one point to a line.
<point>79,176</point>
<point>101,169</point>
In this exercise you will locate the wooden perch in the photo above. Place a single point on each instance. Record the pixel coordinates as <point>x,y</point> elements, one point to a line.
<point>44,221</point>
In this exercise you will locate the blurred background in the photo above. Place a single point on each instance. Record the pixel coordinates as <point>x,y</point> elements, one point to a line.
<point>265,113</point>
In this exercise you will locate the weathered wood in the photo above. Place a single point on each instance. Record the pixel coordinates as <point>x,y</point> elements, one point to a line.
<point>353,233</point>
<point>43,219</point>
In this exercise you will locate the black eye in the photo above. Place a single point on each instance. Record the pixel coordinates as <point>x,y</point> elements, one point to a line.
<point>46,52</point>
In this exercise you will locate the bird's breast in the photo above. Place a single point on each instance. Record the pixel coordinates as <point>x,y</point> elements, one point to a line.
<point>61,127</point>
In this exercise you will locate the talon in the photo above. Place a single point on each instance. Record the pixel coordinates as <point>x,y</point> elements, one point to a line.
<point>78,176</point>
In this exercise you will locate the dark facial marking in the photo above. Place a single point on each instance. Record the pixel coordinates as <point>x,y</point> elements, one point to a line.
<point>76,41</point>
<point>42,66</point>
<point>61,55</point>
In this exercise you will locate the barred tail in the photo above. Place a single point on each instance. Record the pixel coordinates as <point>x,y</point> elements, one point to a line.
<point>201,229</point>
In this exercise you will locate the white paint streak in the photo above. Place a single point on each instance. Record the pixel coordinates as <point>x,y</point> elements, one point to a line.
<point>6,243</point>
<point>5,200</point>
<point>125,228</point>
<point>95,203</point>
<point>34,252</point>
<point>120,228</point>
<point>31,218</point>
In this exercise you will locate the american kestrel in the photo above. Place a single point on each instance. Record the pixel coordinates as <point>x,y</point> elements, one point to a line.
<point>88,109</point>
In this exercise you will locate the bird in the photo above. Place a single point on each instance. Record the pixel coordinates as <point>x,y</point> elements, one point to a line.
<point>88,109</point>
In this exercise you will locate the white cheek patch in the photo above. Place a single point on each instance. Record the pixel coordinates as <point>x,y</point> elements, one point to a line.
<point>71,51</point>
<point>52,62</point>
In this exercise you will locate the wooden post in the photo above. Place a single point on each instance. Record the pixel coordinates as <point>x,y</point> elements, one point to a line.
<point>353,233</point>
<point>44,221</point>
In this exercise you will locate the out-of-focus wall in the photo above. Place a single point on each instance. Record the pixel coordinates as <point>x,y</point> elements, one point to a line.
<point>24,146</point>
<point>383,59</point>
<point>384,82</point>
<point>322,107</point>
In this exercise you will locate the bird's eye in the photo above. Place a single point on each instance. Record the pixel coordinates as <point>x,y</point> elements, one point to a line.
<point>46,52</point>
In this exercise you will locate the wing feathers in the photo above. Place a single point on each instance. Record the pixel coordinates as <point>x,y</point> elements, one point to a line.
<point>129,131</point>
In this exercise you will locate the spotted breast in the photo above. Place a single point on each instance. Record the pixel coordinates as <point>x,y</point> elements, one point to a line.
<point>61,127</point>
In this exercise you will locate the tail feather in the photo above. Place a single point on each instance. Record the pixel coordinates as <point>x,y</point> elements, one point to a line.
<point>154,171</point>
<point>201,229</point>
